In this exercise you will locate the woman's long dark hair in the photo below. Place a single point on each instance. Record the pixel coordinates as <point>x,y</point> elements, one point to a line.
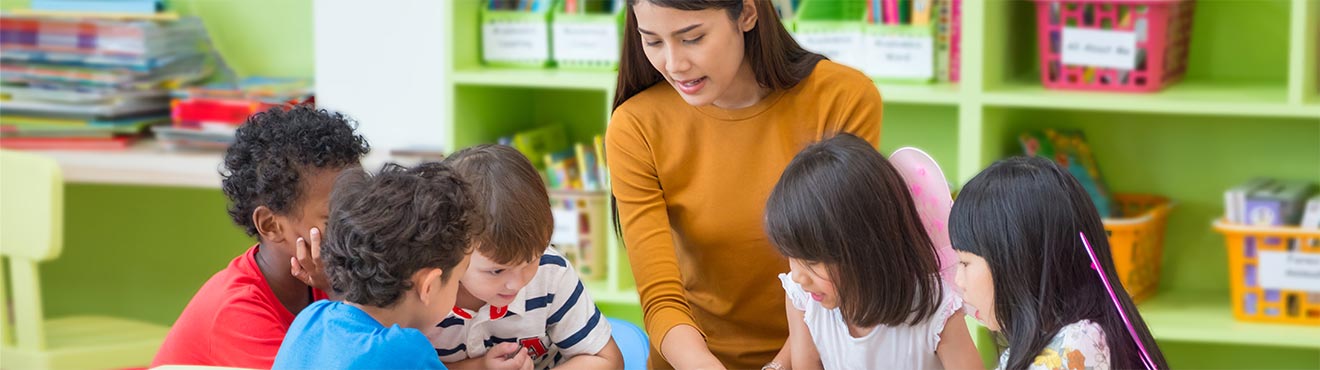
<point>777,60</point>
<point>1022,215</point>
<point>842,203</point>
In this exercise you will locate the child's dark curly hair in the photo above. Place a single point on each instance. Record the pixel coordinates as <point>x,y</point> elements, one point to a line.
<point>274,149</point>
<point>384,228</point>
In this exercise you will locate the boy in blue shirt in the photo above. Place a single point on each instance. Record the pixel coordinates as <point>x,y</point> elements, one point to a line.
<point>395,247</point>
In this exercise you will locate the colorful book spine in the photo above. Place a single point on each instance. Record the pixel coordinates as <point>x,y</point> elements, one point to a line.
<point>955,41</point>
<point>98,6</point>
<point>876,11</point>
<point>890,12</point>
<point>904,12</point>
<point>602,170</point>
<point>586,161</point>
<point>921,12</point>
<point>943,53</point>
<point>45,143</point>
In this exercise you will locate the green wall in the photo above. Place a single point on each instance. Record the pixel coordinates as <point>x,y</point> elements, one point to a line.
<point>138,252</point>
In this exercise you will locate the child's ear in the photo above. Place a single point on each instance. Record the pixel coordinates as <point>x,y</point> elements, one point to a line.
<point>428,281</point>
<point>269,227</point>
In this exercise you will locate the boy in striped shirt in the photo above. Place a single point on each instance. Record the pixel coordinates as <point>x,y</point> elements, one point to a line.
<point>520,305</point>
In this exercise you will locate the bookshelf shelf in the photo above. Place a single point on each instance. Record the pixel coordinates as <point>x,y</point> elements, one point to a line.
<point>1188,98</point>
<point>1208,318</point>
<point>547,78</point>
<point>145,163</point>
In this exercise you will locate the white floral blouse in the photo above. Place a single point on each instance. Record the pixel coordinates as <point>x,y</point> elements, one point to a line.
<point>1078,346</point>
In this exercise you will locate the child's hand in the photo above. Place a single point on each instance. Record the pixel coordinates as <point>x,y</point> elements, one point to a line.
<point>307,265</point>
<point>508,356</point>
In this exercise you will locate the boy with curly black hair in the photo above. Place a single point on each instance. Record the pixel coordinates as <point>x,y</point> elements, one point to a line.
<point>278,176</point>
<point>396,244</point>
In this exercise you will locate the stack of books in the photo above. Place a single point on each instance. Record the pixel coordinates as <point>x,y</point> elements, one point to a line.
<point>206,117</point>
<point>92,83</point>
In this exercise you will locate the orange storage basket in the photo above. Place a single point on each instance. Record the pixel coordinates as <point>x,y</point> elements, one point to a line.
<point>1253,302</point>
<point>1136,241</point>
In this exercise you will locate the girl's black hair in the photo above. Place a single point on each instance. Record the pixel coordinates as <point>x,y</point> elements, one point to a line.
<point>1023,215</point>
<point>841,203</point>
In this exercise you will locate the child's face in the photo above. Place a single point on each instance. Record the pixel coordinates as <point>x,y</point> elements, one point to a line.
<point>445,297</point>
<point>313,208</point>
<point>699,52</point>
<point>814,277</point>
<point>494,283</point>
<point>978,290</point>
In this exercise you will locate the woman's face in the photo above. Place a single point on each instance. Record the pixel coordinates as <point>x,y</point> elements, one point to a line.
<point>700,52</point>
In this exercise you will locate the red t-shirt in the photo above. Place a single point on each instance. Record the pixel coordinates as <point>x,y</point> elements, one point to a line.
<point>235,320</point>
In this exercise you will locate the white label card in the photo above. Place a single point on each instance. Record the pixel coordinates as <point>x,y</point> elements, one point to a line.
<point>515,41</point>
<point>1099,48</point>
<point>841,47</point>
<point>566,227</point>
<point>1290,271</point>
<point>899,56</point>
<point>586,41</point>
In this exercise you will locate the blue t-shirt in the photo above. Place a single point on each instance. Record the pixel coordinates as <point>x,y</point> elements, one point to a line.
<point>335,335</point>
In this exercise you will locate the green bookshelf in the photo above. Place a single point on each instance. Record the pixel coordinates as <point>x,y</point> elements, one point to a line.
<point>1248,106</point>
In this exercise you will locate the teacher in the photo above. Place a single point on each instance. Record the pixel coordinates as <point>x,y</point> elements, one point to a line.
<point>714,98</point>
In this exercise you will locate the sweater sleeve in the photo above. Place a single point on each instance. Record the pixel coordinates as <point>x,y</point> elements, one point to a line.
<point>647,236</point>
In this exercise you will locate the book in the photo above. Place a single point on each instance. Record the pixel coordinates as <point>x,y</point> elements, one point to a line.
<point>158,16</point>
<point>41,143</point>
<point>943,13</point>
<point>99,6</point>
<point>1311,215</point>
<point>586,161</point>
<point>602,170</point>
<point>1279,203</point>
<point>955,40</point>
<point>904,12</point>
<point>890,12</point>
<point>537,143</point>
<point>85,131</point>
<point>921,10</point>
<point>1235,199</point>
<point>1311,220</point>
<point>562,171</point>
<point>1070,150</point>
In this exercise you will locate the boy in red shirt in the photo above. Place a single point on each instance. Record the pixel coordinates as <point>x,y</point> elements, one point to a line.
<point>278,175</point>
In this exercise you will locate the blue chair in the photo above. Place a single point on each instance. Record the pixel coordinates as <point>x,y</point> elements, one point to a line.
<point>632,342</point>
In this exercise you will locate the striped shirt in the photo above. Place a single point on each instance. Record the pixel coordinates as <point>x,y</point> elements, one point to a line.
<point>553,316</point>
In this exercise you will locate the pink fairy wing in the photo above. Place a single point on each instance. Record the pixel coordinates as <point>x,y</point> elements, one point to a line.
<point>931,195</point>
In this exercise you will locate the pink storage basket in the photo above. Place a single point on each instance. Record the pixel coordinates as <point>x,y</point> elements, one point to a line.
<point>1162,27</point>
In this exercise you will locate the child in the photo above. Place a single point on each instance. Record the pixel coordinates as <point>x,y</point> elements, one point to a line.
<point>864,291</point>
<point>278,175</point>
<point>520,302</point>
<point>396,244</point>
<point>1026,274</point>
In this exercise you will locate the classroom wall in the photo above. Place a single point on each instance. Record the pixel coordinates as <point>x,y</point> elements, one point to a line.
<point>386,66</point>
